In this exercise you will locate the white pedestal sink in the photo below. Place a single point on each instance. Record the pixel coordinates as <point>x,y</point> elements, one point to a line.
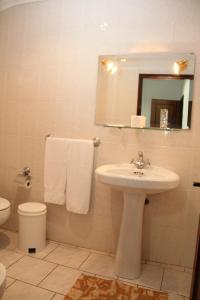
<point>136,185</point>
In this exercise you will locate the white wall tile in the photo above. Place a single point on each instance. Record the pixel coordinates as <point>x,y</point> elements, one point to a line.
<point>48,70</point>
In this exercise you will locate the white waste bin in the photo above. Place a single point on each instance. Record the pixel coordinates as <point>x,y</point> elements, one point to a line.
<point>32,226</point>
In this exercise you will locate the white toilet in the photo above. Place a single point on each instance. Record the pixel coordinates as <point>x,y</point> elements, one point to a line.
<point>4,215</point>
<point>2,279</point>
<point>4,210</point>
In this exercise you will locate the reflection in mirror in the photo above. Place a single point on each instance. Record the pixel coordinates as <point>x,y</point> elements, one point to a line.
<point>165,94</point>
<point>148,90</point>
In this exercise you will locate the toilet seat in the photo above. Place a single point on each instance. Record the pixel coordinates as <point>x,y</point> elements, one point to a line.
<point>2,279</point>
<point>4,204</point>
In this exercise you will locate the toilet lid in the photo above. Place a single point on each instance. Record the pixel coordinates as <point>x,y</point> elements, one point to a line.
<point>4,204</point>
<point>32,208</point>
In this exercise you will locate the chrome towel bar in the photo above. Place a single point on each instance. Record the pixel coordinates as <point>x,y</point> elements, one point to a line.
<point>96,140</point>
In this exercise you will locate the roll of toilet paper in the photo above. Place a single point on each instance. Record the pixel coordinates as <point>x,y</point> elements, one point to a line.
<point>138,121</point>
<point>23,181</point>
<point>26,185</point>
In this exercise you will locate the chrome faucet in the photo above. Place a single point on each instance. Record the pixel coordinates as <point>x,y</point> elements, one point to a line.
<point>140,162</point>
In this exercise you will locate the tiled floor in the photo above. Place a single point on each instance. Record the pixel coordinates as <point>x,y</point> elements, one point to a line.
<point>50,274</point>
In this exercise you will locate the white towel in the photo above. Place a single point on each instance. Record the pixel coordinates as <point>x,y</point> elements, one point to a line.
<point>55,171</point>
<point>80,155</point>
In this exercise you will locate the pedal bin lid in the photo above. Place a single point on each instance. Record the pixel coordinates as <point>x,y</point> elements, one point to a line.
<point>32,209</point>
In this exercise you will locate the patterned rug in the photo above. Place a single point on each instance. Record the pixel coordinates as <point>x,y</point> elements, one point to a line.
<point>93,288</point>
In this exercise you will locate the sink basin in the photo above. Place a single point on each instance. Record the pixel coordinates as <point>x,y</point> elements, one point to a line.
<point>135,184</point>
<point>126,177</point>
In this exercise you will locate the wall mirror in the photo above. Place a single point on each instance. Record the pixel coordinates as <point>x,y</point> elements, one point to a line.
<point>147,90</point>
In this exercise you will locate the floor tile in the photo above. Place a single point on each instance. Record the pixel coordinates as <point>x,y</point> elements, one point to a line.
<point>102,265</point>
<point>49,248</point>
<point>151,276</point>
<point>8,240</point>
<point>173,267</point>
<point>172,296</point>
<point>189,270</point>
<point>9,281</point>
<point>58,297</point>
<point>68,256</point>
<point>101,252</point>
<point>178,282</point>
<point>8,257</point>
<point>61,280</point>
<point>128,282</point>
<point>167,266</point>
<point>23,291</point>
<point>152,263</point>
<point>30,270</point>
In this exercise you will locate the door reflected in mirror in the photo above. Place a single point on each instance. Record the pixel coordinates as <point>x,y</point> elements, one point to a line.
<point>170,93</point>
<point>148,90</point>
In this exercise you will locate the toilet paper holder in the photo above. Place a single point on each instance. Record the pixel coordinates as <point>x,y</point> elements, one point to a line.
<point>23,179</point>
<point>26,172</point>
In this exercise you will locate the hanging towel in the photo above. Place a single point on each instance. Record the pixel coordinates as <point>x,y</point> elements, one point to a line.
<point>80,154</point>
<point>55,171</point>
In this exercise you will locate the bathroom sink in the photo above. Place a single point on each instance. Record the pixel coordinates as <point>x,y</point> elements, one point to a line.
<point>126,177</point>
<point>135,184</point>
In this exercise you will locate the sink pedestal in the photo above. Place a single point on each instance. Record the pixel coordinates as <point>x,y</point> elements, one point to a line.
<point>135,186</point>
<point>128,258</point>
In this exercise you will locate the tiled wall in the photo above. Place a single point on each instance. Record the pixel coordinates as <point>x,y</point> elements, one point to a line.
<point>4,4</point>
<point>48,71</point>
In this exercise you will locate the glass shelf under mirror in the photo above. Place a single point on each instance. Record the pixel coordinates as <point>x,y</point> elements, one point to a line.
<point>139,128</point>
